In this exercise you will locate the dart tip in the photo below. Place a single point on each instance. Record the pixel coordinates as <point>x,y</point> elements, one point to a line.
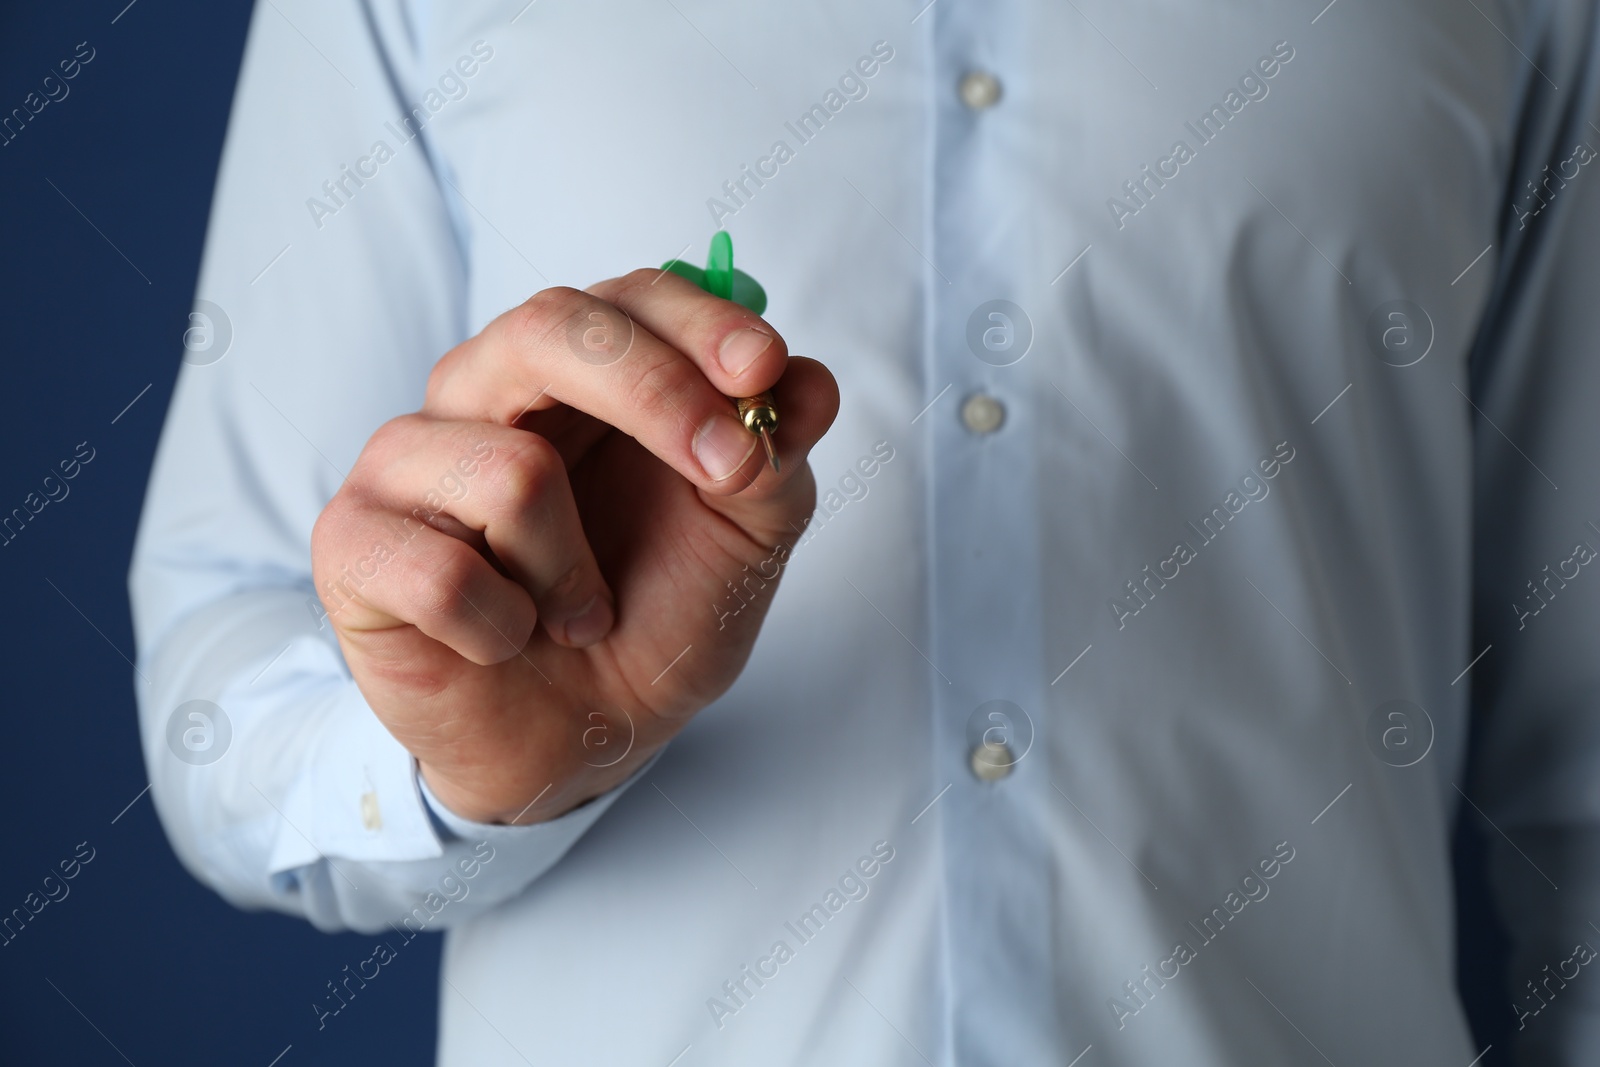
<point>772,453</point>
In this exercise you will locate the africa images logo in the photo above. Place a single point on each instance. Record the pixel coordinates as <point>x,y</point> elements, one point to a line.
<point>198,732</point>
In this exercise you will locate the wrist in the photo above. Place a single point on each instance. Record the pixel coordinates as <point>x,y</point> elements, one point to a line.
<point>471,805</point>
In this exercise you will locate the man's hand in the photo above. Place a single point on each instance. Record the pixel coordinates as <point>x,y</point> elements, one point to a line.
<point>534,574</point>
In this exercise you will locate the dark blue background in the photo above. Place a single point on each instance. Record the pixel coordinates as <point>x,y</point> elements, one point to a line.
<point>166,971</point>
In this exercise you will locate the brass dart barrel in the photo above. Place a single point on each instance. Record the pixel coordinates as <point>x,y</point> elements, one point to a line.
<point>760,417</point>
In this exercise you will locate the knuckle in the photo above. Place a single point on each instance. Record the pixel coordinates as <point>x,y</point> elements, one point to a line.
<point>443,589</point>
<point>635,281</point>
<point>526,472</point>
<point>334,526</point>
<point>713,318</point>
<point>544,317</point>
<point>708,320</point>
<point>445,368</point>
<point>400,429</point>
<point>322,541</point>
<point>391,439</point>
<point>663,391</point>
<point>566,588</point>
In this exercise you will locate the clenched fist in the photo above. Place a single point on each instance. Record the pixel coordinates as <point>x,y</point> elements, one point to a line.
<point>515,571</point>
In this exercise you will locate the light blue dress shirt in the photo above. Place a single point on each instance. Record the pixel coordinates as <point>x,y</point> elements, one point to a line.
<point>1218,442</point>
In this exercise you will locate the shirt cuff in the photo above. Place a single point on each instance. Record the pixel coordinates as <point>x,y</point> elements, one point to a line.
<point>360,797</point>
<point>357,798</point>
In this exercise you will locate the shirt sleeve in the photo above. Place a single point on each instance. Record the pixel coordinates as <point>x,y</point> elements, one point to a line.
<point>332,280</point>
<point>1536,691</point>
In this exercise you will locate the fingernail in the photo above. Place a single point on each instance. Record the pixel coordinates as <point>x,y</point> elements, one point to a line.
<point>722,444</point>
<point>740,349</point>
<point>590,624</point>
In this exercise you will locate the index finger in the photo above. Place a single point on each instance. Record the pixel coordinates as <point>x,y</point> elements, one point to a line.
<point>568,347</point>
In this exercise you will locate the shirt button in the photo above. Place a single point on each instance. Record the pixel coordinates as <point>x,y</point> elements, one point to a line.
<point>979,89</point>
<point>371,814</point>
<point>982,413</point>
<point>992,761</point>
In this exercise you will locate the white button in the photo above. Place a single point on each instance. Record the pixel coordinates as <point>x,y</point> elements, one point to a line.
<point>371,814</point>
<point>979,89</point>
<point>982,413</point>
<point>992,761</point>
